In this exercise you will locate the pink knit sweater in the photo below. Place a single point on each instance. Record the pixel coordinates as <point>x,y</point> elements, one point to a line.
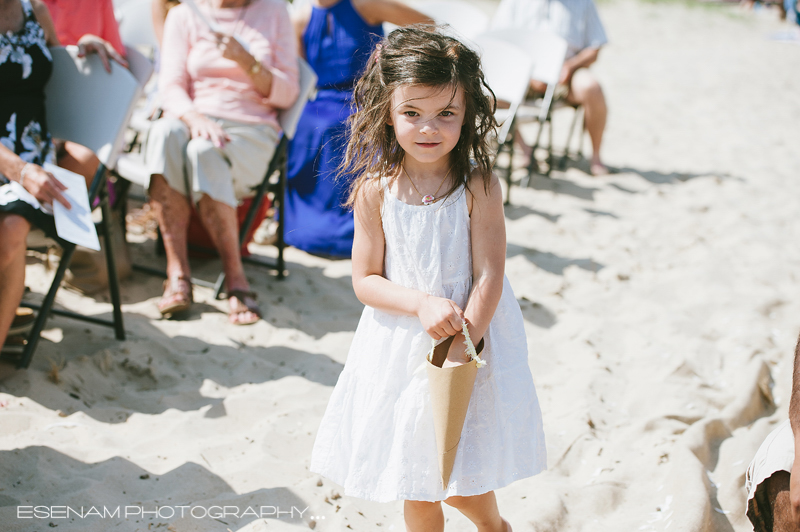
<point>195,76</point>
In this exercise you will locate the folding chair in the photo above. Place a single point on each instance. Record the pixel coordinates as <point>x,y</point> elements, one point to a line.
<point>288,119</point>
<point>548,51</point>
<point>86,105</point>
<point>507,69</point>
<point>464,18</point>
<point>135,21</point>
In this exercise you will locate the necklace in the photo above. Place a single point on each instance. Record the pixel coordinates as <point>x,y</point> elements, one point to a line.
<point>427,199</point>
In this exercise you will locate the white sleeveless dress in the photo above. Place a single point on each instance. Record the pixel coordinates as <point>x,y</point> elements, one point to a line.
<point>376,438</point>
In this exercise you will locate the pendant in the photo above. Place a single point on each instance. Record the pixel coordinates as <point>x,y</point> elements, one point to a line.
<point>428,200</point>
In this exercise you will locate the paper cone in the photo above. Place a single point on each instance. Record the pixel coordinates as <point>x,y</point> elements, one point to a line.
<point>451,389</point>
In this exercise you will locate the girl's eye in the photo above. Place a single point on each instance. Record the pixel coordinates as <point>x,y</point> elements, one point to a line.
<point>447,113</point>
<point>410,113</point>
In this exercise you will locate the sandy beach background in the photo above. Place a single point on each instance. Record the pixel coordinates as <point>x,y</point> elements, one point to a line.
<point>661,307</point>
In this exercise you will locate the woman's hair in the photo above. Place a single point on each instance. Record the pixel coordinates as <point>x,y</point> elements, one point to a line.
<point>417,55</point>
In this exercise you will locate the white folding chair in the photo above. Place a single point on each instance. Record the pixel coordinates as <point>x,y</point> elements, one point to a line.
<point>465,20</point>
<point>135,21</point>
<point>88,106</point>
<point>507,69</point>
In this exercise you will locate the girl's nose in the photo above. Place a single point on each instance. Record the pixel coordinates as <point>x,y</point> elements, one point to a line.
<point>429,127</point>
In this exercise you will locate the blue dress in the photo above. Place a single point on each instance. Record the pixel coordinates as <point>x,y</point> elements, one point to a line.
<point>337,43</point>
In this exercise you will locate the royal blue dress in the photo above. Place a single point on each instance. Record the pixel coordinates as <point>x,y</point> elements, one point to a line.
<point>337,43</point>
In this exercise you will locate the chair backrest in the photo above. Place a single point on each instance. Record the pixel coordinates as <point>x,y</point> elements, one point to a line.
<point>135,21</point>
<point>506,68</point>
<point>87,105</point>
<point>546,50</point>
<point>465,19</point>
<point>139,65</point>
<point>288,118</point>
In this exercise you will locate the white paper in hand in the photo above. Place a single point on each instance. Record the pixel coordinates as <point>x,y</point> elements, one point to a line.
<point>74,225</point>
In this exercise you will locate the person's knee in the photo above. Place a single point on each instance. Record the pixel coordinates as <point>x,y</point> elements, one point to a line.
<point>586,88</point>
<point>13,234</point>
<point>423,506</point>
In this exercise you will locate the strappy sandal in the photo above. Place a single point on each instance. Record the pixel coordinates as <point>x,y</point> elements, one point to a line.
<point>177,296</point>
<point>244,306</point>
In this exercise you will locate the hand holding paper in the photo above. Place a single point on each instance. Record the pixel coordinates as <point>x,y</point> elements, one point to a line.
<point>74,224</point>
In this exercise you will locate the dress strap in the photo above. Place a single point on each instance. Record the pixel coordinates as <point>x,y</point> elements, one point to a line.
<point>27,8</point>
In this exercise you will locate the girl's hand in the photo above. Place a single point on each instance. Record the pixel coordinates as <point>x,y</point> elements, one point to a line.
<point>204,128</point>
<point>44,186</point>
<point>440,317</point>
<point>457,354</point>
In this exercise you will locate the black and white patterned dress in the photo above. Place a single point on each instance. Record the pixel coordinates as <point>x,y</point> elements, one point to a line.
<point>25,67</point>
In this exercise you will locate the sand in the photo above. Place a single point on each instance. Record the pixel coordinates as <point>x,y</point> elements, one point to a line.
<point>660,306</point>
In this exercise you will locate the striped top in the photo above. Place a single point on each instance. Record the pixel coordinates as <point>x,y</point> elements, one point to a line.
<point>577,21</point>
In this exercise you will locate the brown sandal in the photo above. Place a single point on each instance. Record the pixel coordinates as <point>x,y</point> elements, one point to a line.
<point>245,306</point>
<point>177,296</point>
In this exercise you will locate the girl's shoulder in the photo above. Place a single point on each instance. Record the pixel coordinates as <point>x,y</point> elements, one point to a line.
<point>481,190</point>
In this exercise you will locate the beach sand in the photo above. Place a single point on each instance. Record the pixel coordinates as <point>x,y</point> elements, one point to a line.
<point>660,305</point>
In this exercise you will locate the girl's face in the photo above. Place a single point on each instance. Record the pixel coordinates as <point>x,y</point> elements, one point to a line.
<point>427,121</point>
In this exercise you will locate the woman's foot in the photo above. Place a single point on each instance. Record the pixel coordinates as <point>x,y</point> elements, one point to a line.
<point>177,296</point>
<point>597,168</point>
<point>243,307</point>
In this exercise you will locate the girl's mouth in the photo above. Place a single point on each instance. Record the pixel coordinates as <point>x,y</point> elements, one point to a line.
<point>427,144</point>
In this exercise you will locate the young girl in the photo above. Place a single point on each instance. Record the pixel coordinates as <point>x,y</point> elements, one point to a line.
<point>429,242</point>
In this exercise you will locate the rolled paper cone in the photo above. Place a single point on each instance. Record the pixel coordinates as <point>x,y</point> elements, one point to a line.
<point>451,389</point>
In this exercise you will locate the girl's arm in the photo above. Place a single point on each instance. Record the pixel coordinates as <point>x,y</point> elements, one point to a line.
<point>440,317</point>
<point>488,233</point>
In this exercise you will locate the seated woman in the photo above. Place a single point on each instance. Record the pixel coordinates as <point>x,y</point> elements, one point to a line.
<point>26,190</point>
<point>337,37</point>
<point>220,130</point>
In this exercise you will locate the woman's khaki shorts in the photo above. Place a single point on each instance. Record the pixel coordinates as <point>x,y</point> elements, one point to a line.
<point>226,174</point>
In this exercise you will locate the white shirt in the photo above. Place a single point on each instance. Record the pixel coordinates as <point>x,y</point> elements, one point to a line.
<point>576,21</point>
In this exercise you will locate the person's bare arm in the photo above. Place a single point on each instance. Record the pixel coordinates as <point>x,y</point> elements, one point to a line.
<point>44,19</point>
<point>440,317</point>
<point>300,19</point>
<point>158,10</point>
<point>794,421</point>
<point>232,49</point>
<point>582,59</point>
<point>488,234</point>
<point>376,12</point>
<point>41,184</point>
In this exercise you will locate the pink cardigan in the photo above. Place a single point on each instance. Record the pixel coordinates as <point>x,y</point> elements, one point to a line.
<point>195,76</point>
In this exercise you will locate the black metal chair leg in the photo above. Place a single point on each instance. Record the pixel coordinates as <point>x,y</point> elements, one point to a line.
<point>280,198</point>
<point>533,166</point>
<point>113,280</point>
<point>549,146</point>
<point>47,304</point>
<point>562,164</point>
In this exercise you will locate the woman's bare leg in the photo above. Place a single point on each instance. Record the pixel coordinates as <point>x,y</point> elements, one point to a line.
<point>223,228</point>
<point>422,516</point>
<point>13,235</point>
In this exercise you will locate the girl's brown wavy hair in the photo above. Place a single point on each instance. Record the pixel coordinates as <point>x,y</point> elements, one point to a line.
<point>417,55</point>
